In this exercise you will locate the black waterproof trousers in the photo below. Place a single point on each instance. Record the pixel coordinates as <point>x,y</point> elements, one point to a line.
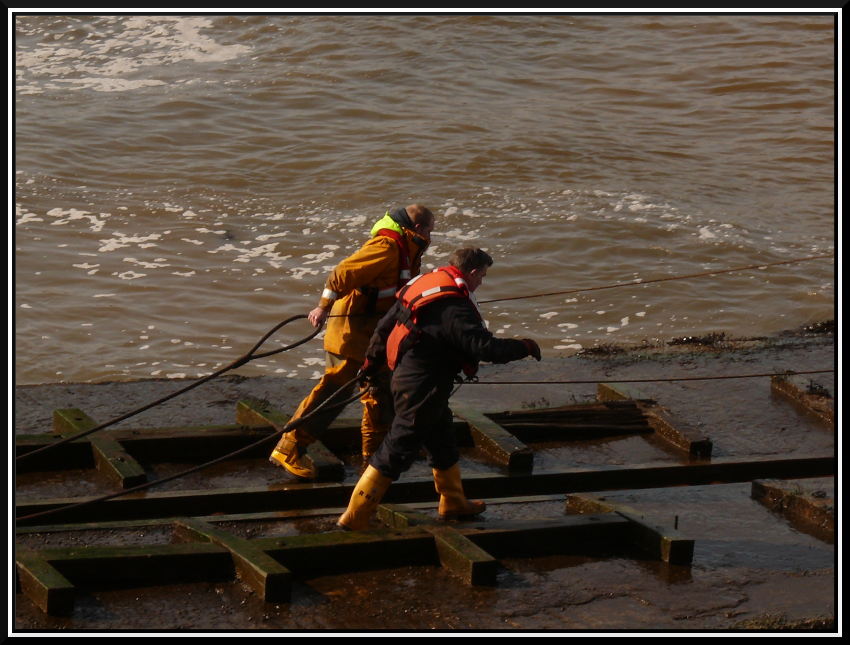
<point>422,419</point>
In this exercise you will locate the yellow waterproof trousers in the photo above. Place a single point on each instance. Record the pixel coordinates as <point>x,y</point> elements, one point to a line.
<point>377,403</point>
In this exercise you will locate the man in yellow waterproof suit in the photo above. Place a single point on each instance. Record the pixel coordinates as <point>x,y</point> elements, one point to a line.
<point>359,291</point>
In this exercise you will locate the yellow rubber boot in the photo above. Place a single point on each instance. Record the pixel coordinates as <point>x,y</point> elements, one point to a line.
<point>367,494</point>
<point>290,452</point>
<point>453,503</point>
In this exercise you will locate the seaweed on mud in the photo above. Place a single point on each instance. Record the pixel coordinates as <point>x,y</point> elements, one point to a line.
<point>602,350</point>
<point>709,340</point>
<point>823,327</point>
<point>818,390</point>
<point>780,623</point>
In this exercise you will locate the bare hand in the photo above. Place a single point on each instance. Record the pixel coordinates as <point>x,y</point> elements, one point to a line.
<point>317,317</point>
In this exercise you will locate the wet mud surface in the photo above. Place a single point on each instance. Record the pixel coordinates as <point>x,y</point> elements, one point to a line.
<point>752,568</point>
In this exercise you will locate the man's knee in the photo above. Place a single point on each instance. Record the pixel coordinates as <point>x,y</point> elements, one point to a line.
<point>397,452</point>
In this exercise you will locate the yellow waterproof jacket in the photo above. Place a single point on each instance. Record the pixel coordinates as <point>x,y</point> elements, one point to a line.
<point>362,289</point>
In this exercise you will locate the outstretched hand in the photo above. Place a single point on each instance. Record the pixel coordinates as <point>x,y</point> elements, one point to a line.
<point>533,348</point>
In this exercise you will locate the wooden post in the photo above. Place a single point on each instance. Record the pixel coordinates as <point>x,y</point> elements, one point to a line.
<point>496,442</point>
<point>265,575</point>
<point>49,590</point>
<point>110,457</point>
<point>672,430</point>
<point>666,544</point>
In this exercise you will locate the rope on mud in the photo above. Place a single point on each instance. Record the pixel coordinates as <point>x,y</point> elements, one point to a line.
<point>655,280</point>
<point>651,380</point>
<point>194,469</point>
<point>242,360</point>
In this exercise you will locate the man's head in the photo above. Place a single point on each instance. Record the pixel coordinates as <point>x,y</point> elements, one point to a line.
<point>422,220</point>
<point>473,263</point>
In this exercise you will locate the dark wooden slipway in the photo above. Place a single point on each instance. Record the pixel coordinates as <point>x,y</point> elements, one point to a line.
<point>406,534</point>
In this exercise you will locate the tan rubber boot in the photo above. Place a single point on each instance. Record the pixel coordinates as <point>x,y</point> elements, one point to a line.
<point>371,442</point>
<point>453,503</point>
<point>290,452</point>
<point>376,421</point>
<point>364,500</point>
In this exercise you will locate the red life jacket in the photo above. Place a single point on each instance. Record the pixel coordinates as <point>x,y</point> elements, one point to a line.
<point>445,282</point>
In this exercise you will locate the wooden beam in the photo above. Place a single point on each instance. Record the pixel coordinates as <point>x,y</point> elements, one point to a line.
<point>673,430</point>
<point>98,566</point>
<point>496,442</point>
<point>663,543</point>
<point>48,589</point>
<point>283,497</point>
<point>339,551</point>
<point>806,395</point>
<point>462,557</point>
<point>266,576</point>
<point>113,461</point>
<point>148,445</point>
<point>814,515</point>
<point>110,457</point>
<point>401,516</point>
<point>621,392</point>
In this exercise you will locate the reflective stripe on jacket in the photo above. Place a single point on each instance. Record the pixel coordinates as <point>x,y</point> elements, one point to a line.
<point>445,282</point>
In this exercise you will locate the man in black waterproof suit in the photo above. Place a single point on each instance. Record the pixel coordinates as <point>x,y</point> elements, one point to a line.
<point>432,332</point>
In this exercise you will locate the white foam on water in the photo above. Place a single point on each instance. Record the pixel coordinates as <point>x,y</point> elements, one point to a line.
<point>130,275</point>
<point>120,241</point>
<point>156,264</point>
<point>315,258</point>
<point>105,84</point>
<point>26,218</point>
<point>457,234</point>
<point>120,50</point>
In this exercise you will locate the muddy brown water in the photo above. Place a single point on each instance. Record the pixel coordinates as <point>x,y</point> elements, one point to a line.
<point>185,182</point>
<point>752,568</point>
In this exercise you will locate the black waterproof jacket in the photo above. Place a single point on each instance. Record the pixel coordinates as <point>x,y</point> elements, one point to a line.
<point>453,334</point>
